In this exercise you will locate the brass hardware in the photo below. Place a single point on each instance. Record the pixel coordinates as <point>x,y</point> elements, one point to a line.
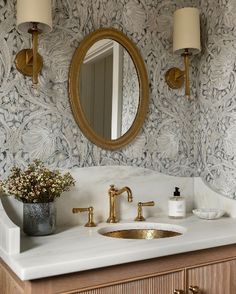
<point>90,222</point>
<point>194,289</point>
<point>175,77</point>
<point>147,234</point>
<point>140,210</point>
<point>74,88</point>
<point>24,62</point>
<point>186,55</point>
<point>179,292</point>
<point>113,192</point>
<point>28,61</point>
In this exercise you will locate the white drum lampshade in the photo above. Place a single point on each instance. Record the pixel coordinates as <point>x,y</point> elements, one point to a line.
<point>186,41</point>
<point>186,33</point>
<point>37,11</point>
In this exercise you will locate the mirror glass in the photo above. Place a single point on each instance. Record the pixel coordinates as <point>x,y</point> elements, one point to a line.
<point>109,89</point>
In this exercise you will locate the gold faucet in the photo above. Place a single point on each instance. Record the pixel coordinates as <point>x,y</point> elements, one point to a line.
<point>113,192</point>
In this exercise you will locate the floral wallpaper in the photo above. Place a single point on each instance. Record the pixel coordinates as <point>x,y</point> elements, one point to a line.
<point>180,137</point>
<point>39,124</point>
<point>216,106</point>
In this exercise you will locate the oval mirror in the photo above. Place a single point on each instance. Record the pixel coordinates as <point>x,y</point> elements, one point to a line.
<point>108,88</point>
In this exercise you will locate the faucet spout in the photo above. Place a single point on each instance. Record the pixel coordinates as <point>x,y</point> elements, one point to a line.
<point>113,192</point>
<point>129,193</point>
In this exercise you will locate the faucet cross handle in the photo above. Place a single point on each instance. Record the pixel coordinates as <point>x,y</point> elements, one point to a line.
<point>90,222</point>
<point>140,210</point>
<point>112,189</point>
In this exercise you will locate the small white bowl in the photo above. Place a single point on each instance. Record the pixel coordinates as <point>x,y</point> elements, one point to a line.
<point>208,213</point>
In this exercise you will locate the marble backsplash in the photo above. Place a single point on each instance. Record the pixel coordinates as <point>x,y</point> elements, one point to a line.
<point>91,189</point>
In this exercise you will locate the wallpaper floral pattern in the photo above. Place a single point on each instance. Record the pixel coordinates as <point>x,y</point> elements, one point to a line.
<point>180,137</point>
<point>216,107</point>
<point>41,125</point>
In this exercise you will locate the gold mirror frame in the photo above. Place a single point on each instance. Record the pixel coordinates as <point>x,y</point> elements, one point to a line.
<point>74,90</point>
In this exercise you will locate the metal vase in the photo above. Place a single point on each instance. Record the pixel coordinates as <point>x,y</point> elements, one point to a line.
<point>39,219</point>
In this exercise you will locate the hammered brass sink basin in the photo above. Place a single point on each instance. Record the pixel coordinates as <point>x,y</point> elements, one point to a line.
<point>142,231</point>
<point>141,234</point>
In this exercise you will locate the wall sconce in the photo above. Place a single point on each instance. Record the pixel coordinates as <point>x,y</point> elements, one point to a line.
<point>186,42</point>
<point>34,17</point>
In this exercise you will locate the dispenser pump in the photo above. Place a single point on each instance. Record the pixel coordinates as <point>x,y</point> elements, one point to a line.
<point>177,205</point>
<point>176,192</point>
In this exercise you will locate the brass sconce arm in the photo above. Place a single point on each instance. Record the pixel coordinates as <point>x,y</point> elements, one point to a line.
<point>176,77</point>
<point>28,61</point>
<point>35,33</point>
<point>186,55</point>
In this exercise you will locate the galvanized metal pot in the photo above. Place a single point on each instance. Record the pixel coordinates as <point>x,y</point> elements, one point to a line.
<point>39,219</point>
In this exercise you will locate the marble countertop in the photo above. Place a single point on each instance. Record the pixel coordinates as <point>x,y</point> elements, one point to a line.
<point>74,249</point>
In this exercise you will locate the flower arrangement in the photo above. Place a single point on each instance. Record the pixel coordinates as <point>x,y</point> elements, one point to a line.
<point>37,184</point>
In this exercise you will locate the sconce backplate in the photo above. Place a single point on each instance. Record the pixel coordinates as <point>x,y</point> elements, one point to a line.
<point>24,62</point>
<point>174,78</point>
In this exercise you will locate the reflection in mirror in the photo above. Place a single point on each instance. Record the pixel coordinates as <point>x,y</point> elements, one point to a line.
<point>109,89</point>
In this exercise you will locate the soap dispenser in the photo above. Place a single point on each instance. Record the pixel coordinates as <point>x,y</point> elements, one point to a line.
<point>177,205</point>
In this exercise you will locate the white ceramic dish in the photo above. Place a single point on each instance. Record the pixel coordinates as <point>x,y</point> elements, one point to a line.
<point>208,213</point>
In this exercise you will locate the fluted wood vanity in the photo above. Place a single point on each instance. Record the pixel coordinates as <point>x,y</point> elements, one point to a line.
<point>212,270</point>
